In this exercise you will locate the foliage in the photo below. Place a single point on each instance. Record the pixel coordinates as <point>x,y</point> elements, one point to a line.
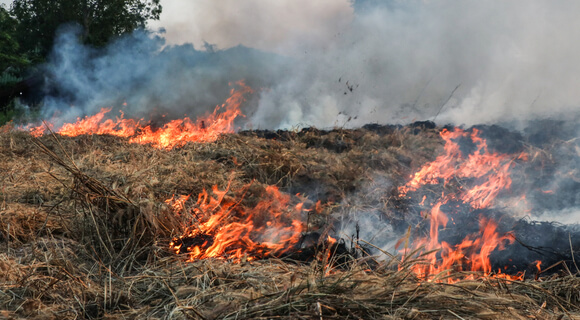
<point>28,30</point>
<point>12,64</point>
<point>101,19</point>
<point>10,57</point>
<point>15,110</point>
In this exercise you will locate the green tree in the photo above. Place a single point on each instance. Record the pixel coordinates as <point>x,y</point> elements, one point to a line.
<point>101,19</point>
<point>10,54</point>
<point>13,63</point>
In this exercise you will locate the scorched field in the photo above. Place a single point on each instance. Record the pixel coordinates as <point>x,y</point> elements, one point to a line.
<point>380,222</point>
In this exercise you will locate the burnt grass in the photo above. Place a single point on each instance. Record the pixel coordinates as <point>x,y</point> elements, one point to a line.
<point>85,229</point>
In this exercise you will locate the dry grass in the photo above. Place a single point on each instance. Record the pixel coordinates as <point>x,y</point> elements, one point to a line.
<point>84,233</point>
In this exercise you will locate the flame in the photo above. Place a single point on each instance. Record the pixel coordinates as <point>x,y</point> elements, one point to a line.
<point>173,134</point>
<point>221,228</point>
<point>488,173</point>
<point>491,168</point>
<point>95,125</point>
<point>178,132</point>
<point>538,265</point>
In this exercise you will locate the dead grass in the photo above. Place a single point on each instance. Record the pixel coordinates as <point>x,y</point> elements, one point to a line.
<point>84,233</point>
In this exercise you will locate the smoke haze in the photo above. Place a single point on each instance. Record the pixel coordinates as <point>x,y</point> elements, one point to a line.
<point>511,60</point>
<point>284,27</point>
<point>331,63</point>
<point>328,64</point>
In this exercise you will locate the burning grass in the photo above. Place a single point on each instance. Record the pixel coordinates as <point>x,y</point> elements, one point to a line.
<point>86,226</point>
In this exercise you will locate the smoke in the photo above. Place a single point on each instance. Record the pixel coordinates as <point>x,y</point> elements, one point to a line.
<point>364,220</point>
<point>461,62</point>
<point>144,77</point>
<point>335,63</point>
<point>554,193</point>
<point>286,27</point>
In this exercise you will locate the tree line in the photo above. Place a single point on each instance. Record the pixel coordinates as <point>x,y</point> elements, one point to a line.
<point>28,29</point>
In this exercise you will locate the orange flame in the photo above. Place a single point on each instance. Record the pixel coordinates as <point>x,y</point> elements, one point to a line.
<point>222,229</point>
<point>95,125</point>
<point>491,168</point>
<point>176,133</point>
<point>177,204</point>
<point>490,173</point>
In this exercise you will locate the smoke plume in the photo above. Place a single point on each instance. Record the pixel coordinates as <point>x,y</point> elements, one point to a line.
<point>338,63</point>
<point>144,77</point>
<point>462,62</point>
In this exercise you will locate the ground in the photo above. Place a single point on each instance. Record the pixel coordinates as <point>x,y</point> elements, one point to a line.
<point>85,231</point>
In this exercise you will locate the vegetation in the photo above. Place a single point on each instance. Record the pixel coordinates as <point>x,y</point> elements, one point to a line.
<point>28,29</point>
<point>85,231</point>
<point>10,53</point>
<point>101,19</point>
<point>12,61</point>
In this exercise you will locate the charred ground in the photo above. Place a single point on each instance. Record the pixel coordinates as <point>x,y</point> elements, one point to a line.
<point>85,228</point>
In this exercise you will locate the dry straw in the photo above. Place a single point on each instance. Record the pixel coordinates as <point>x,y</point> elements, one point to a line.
<point>84,233</point>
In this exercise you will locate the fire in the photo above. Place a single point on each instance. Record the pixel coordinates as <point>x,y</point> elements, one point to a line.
<point>539,266</point>
<point>219,227</point>
<point>482,175</point>
<point>95,125</point>
<point>173,134</point>
<point>491,168</point>
<point>178,132</point>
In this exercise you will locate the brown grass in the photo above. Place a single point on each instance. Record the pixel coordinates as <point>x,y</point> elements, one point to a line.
<point>84,233</point>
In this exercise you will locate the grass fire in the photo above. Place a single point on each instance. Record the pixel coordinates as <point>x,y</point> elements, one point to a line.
<point>351,159</point>
<point>116,218</point>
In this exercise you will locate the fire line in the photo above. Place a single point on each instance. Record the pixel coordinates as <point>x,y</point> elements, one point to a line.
<point>171,135</point>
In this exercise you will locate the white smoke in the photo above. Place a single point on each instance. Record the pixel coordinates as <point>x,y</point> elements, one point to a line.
<point>286,27</point>
<point>512,60</point>
<point>326,64</point>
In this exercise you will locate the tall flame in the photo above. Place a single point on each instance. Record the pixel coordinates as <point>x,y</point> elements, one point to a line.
<point>490,173</point>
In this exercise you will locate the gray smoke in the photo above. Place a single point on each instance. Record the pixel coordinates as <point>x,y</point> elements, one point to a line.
<point>150,77</point>
<point>390,61</point>
<point>362,220</point>
<point>509,60</point>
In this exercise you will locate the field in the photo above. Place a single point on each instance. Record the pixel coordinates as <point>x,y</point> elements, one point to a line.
<point>86,224</point>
